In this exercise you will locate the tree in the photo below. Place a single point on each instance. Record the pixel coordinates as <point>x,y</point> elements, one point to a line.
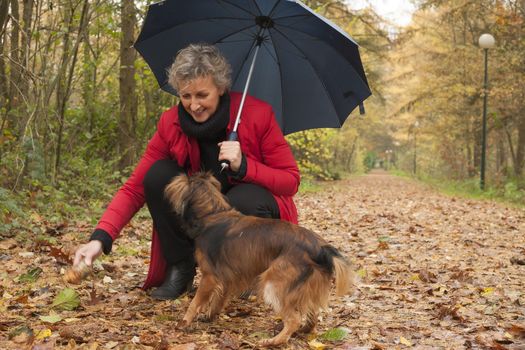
<point>128,107</point>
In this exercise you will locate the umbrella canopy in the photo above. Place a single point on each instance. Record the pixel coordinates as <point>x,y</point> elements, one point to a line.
<point>307,68</point>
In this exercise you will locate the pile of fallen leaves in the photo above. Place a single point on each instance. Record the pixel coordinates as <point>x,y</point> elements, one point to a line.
<point>435,272</point>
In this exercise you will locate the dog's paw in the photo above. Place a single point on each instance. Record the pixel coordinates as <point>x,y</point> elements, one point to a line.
<point>266,343</point>
<point>183,324</point>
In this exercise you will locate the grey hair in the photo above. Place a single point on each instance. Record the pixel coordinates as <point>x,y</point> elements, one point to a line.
<point>200,60</point>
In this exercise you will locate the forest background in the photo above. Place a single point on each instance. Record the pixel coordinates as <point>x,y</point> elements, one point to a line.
<point>78,104</point>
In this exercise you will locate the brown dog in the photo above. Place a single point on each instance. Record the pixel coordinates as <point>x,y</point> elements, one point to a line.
<point>292,266</point>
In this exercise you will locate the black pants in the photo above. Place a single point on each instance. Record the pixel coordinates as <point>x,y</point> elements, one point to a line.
<point>249,199</point>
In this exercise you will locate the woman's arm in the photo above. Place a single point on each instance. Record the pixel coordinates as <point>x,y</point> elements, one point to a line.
<point>276,169</point>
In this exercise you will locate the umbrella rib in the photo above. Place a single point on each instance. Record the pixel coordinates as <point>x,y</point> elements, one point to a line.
<point>257,5</point>
<point>237,6</point>
<point>243,62</point>
<point>280,81</point>
<point>274,7</point>
<point>305,33</point>
<point>320,40</point>
<point>270,53</point>
<point>195,21</point>
<point>313,68</point>
<point>220,40</point>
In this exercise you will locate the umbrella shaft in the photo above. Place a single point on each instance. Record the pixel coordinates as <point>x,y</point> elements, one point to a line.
<point>252,65</point>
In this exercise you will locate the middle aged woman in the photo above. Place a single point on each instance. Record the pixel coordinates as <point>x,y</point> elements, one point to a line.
<point>262,179</point>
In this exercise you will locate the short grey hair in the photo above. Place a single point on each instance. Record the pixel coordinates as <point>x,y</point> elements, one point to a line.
<point>200,60</point>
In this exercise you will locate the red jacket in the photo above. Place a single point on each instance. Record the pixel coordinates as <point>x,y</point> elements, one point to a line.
<point>270,164</point>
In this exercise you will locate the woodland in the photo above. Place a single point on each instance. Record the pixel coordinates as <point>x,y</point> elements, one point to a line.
<point>78,105</point>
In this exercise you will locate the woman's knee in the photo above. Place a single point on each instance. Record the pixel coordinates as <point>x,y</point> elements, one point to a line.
<point>255,200</point>
<point>159,175</point>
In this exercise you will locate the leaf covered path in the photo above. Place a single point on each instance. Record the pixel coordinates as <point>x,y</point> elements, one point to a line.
<point>435,272</point>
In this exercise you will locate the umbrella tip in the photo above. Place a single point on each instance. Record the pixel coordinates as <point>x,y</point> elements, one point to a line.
<point>361,108</point>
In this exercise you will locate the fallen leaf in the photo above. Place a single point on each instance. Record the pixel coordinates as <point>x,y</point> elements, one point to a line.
<point>427,276</point>
<point>316,345</point>
<point>51,318</point>
<point>487,291</point>
<point>60,256</point>
<point>8,244</point>
<point>517,331</point>
<point>22,335</point>
<point>48,345</point>
<point>31,275</point>
<point>187,346</point>
<point>44,333</point>
<point>111,344</point>
<point>93,298</point>
<point>71,332</point>
<point>67,299</point>
<point>335,334</point>
<point>517,260</point>
<point>227,341</point>
<point>405,341</point>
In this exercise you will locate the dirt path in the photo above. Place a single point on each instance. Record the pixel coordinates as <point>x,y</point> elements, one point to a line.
<point>435,273</point>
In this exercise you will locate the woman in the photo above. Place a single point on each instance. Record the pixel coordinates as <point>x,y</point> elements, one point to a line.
<point>262,178</point>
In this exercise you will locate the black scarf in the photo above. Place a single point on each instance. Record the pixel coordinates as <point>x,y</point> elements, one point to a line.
<point>212,129</point>
<point>208,134</point>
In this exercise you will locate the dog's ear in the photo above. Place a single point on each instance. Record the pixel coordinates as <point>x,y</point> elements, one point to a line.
<point>177,193</point>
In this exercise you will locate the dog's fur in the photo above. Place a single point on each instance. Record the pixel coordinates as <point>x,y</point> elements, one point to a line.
<point>291,266</point>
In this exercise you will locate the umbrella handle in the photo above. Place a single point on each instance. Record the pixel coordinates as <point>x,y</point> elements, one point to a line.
<point>225,164</point>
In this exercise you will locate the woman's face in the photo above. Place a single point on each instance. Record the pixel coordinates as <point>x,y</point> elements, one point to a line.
<point>200,97</point>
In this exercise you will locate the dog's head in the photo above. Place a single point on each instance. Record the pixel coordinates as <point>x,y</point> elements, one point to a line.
<point>194,197</point>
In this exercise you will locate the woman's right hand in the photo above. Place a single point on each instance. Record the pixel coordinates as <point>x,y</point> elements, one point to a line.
<point>88,252</point>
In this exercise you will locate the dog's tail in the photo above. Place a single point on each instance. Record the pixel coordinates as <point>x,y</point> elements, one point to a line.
<point>332,260</point>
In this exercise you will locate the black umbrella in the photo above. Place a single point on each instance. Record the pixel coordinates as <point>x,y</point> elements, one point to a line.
<point>306,67</point>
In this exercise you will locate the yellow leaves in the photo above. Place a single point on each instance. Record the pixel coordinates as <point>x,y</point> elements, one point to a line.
<point>361,273</point>
<point>44,333</point>
<point>415,277</point>
<point>486,292</point>
<point>316,345</point>
<point>404,341</point>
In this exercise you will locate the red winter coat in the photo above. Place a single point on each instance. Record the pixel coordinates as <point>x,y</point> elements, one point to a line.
<point>270,164</point>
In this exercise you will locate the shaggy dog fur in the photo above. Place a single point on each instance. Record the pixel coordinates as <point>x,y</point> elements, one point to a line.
<point>292,267</point>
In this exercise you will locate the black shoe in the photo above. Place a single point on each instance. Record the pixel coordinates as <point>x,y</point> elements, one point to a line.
<point>179,279</point>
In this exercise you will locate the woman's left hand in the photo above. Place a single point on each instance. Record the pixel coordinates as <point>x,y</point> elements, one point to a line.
<point>231,151</point>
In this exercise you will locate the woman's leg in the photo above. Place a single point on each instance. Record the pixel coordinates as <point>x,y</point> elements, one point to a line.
<point>177,248</point>
<point>255,200</point>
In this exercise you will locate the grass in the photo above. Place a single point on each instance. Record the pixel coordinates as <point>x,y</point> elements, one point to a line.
<point>309,186</point>
<point>469,188</point>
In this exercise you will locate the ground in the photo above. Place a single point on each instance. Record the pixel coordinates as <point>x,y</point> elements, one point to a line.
<point>434,272</point>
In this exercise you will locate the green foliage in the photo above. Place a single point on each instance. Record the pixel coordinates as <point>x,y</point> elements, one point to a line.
<point>31,275</point>
<point>11,214</point>
<point>308,185</point>
<point>514,193</point>
<point>313,152</point>
<point>370,160</point>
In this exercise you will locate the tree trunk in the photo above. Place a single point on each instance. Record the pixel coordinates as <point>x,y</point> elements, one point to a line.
<point>27,14</point>
<point>64,86</point>
<point>4,8</point>
<point>89,83</point>
<point>501,155</point>
<point>128,100</point>
<point>520,147</point>
<point>14,77</point>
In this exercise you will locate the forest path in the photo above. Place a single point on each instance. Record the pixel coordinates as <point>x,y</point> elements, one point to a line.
<point>435,272</point>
